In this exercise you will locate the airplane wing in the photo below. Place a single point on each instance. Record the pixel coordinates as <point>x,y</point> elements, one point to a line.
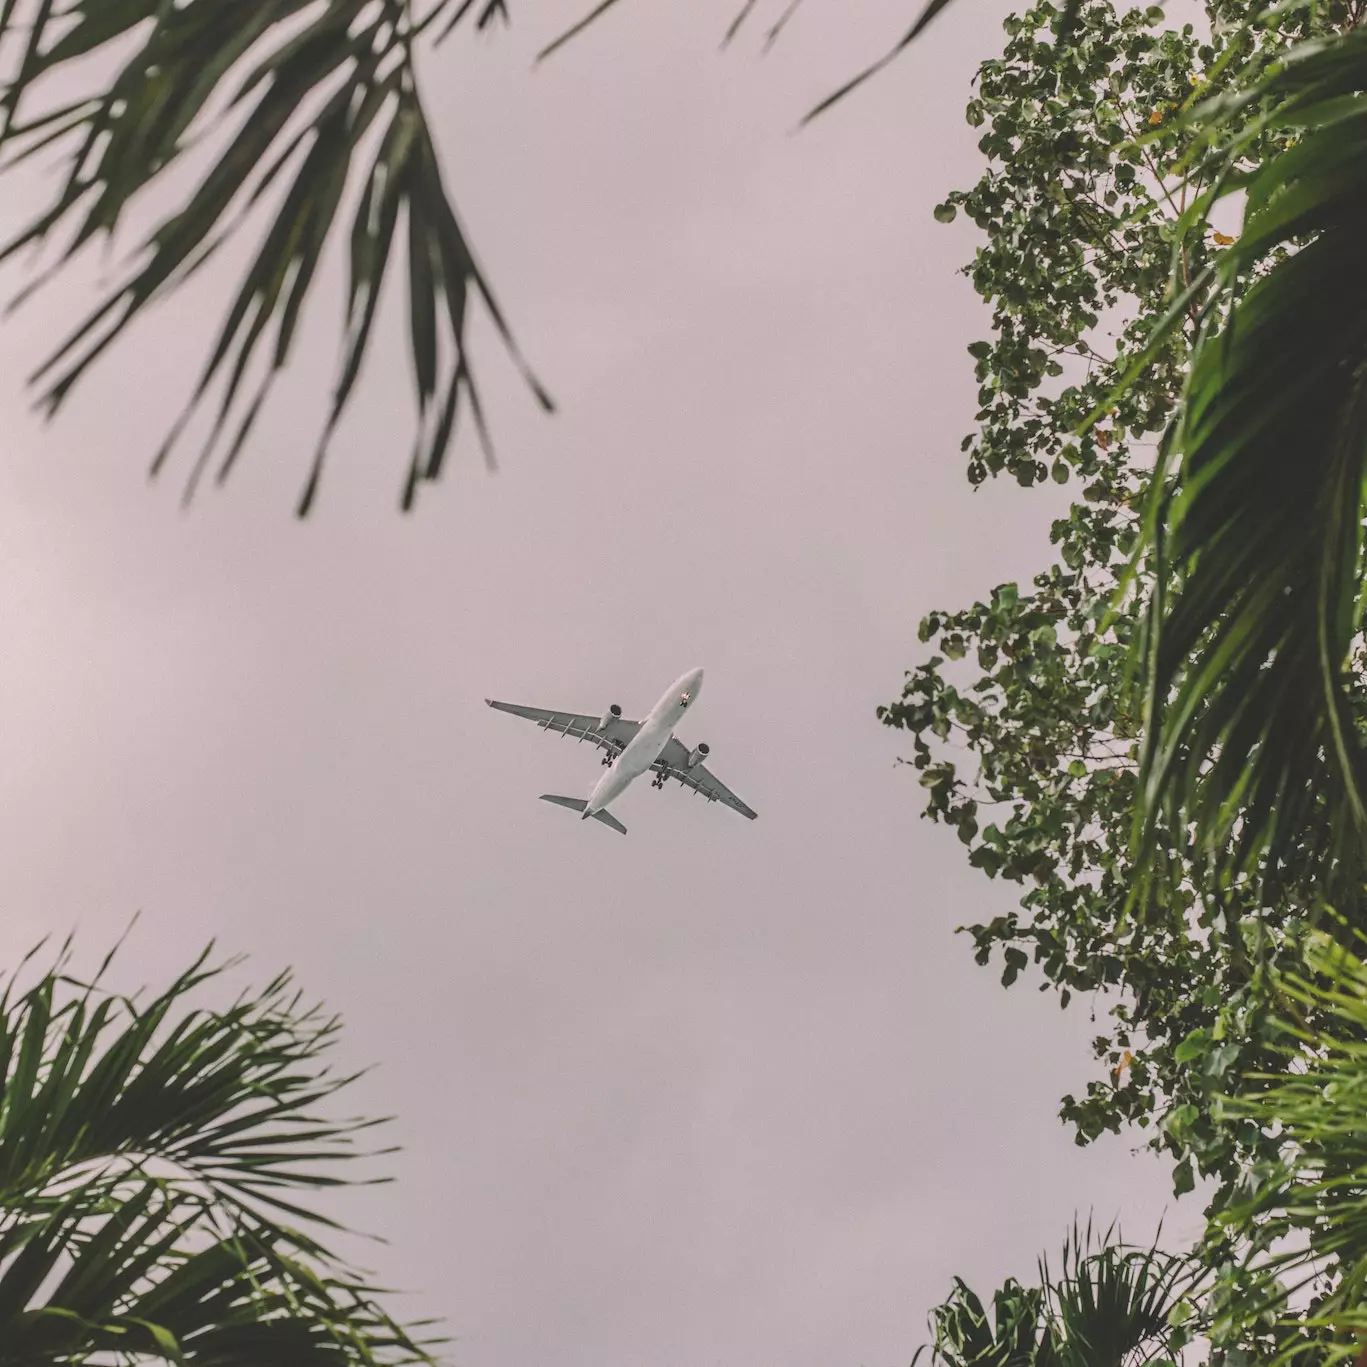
<point>615,738</point>
<point>673,763</point>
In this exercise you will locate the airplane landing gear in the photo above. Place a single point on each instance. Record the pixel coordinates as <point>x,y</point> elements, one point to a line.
<point>607,760</point>
<point>660,780</point>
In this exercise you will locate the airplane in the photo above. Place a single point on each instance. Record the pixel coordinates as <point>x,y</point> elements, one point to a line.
<point>633,748</point>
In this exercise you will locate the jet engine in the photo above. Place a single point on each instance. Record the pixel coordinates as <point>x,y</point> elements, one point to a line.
<point>696,757</point>
<point>611,715</point>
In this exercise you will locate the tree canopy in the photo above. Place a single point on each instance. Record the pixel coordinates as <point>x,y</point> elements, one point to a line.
<point>1159,739</point>
<point>1081,220</point>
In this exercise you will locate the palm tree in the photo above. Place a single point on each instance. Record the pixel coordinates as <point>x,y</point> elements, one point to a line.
<point>1254,526</point>
<point>1112,1306</point>
<point>154,1156</point>
<point>304,100</point>
<point>1292,1251</point>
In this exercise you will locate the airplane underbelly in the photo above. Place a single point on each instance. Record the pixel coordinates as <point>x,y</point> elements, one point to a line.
<point>643,751</point>
<point>610,786</point>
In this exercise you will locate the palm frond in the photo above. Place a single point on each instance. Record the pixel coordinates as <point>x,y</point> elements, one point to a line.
<point>295,91</point>
<point>1256,543</point>
<point>157,1162</point>
<point>1302,1223</point>
<point>1110,1307</point>
<point>1111,1302</point>
<point>1017,1335</point>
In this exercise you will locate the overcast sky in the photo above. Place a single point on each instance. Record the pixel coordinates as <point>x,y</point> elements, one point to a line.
<point>718,1092</point>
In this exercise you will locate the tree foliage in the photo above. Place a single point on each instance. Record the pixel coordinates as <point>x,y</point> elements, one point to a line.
<point>157,1161</point>
<point>1026,726</point>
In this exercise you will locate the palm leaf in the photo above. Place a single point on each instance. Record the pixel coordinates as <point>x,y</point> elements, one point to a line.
<point>294,92</point>
<point>1109,1308</point>
<point>1301,1224</point>
<point>1255,541</point>
<point>148,1151</point>
<point>1018,1333</point>
<point>1112,1303</point>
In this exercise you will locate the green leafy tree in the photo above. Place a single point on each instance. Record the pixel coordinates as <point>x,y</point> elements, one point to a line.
<point>1026,725</point>
<point>1251,642</point>
<point>1180,833</point>
<point>156,1161</point>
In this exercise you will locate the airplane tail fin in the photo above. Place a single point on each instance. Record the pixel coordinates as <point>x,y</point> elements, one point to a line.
<point>577,804</point>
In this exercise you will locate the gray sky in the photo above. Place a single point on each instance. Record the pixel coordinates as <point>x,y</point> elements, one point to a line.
<point>715,1093</point>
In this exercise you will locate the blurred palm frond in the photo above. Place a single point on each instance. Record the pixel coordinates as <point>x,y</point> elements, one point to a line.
<point>306,99</point>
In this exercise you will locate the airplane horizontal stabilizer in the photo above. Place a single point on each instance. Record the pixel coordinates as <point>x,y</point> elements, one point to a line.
<point>577,804</point>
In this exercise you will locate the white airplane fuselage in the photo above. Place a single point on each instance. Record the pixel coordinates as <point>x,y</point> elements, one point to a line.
<point>645,746</point>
